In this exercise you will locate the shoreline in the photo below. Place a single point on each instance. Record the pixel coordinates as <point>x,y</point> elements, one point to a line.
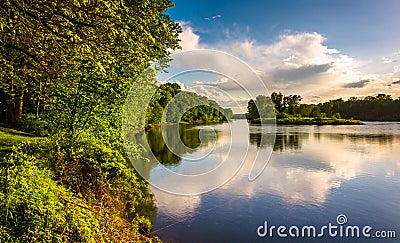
<point>307,121</point>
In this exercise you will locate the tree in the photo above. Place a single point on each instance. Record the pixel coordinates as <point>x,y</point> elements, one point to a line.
<point>187,106</point>
<point>336,116</point>
<point>77,57</point>
<point>252,111</point>
<point>381,107</point>
<point>304,110</point>
<point>277,99</point>
<point>291,102</point>
<point>228,113</point>
<point>264,106</point>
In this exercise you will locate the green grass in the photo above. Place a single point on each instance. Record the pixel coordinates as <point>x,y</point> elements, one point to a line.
<point>10,137</point>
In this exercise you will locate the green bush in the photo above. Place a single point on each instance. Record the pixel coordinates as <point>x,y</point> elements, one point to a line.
<point>282,115</point>
<point>97,173</point>
<point>30,124</point>
<point>336,116</point>
<point>34,208</point>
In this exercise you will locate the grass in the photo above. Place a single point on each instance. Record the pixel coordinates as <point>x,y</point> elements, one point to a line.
<point>10,137</point>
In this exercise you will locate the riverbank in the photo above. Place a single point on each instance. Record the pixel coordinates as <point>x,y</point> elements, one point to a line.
<point>152,126</point>
<point>307,121</point>
<point>47,169</point>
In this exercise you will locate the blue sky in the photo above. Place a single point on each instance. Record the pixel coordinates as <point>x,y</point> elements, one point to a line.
<point>341,42</point>
<point>362,28</point>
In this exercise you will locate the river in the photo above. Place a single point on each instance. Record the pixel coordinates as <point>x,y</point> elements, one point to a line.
<point>316,176</point>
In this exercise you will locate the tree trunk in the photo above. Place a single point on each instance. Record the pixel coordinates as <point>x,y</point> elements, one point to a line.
<point>10,115</point>
<point>20,104</point>
<point>37,108</point>
<point>14,109</point>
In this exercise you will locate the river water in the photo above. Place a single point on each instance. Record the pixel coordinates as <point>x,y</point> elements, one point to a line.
<point>316,176</point>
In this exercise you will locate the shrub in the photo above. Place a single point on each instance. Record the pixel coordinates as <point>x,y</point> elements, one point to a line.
<point>34,208</point>
<point>336,116</point>
<point>30,124</point>
<point>98,173</point>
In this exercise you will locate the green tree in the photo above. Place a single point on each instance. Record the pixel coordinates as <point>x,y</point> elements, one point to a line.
<point>277,99</point>
<point>73,62</point>
<point>291,102</point>
<point>228,113</point>
<point>252,111</point>
<point>186,107</point>
<point>264,106</point>
<point>78,57</point>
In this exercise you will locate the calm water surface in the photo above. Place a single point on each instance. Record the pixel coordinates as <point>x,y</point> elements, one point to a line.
<point>315,173</point>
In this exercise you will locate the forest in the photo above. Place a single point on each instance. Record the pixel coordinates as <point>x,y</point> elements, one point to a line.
<point>289,109</point>
<point>65,71</point>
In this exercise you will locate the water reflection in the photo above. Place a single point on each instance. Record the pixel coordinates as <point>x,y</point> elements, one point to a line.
<point>282,142</point>
<point>170,143</point>
<point>294,140</point>
<point>382,139</point>
<point>308,163</point>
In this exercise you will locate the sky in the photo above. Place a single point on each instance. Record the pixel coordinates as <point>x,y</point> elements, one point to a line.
<point>319,49</point>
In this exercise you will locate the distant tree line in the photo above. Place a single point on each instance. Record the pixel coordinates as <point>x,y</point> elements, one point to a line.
<point>381,107</point>
<point>183,106</point>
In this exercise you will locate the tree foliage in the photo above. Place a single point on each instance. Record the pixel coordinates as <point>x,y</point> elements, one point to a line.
<point>69,64</point>
<point>76,190</point>
<point>262,107</point>
<point>34,208</point>
<point>381,107</point>
<point>68,58</point>
<point>183,106</point>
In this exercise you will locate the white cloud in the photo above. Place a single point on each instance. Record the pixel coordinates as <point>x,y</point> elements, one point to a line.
<point>214,17</point>
<point>177,207</point>
<point>182,85</point>
<point>396,69</point>
<point>386,60</point>
<point>189,40</point>
<point>307,48</point>
<point>302,63</point>
<point>212,93</point>
<point>392,58</point>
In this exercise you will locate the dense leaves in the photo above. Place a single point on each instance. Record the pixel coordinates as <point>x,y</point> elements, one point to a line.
<point>66,67</point>
<point>58,189</point>
<point>372,108</point>
<point>72,58</point>
<point>34,208</point>
<point>379,108</point>
<point>262,107</point>
<point>183,106</point>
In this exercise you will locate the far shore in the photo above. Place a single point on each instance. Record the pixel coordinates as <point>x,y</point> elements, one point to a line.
<point>307,121</point>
